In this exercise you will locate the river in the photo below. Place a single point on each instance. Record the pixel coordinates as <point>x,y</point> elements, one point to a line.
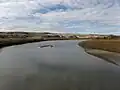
<point>63,67</point>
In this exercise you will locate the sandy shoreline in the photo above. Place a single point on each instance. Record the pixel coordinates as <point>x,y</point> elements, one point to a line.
<point>111,57</point>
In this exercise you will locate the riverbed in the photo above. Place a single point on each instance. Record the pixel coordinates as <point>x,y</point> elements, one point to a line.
<point>63,67</point>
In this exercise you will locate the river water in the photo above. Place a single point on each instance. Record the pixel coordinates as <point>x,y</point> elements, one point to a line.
<point>63,67</point>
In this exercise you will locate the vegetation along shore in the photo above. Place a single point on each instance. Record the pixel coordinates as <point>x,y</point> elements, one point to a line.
<point>16,38</point>
<point>108,50</point>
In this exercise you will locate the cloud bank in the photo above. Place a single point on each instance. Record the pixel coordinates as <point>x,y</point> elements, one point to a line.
<point>81,16</point>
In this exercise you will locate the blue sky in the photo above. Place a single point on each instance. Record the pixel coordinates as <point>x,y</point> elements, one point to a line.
<point>75,16</point>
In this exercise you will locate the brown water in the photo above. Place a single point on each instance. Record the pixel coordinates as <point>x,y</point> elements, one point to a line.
<point>63,67</point>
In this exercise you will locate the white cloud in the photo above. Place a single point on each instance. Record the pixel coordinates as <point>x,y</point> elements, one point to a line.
<point>71,16</point>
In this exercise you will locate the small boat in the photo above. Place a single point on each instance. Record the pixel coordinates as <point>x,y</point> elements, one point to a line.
<point>42,46</point>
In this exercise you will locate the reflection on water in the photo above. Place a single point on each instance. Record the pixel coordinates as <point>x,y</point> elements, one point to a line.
<point>0,50</point>
<point>65,67</point>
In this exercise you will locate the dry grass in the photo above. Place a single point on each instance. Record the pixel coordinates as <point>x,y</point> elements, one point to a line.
<point>108,45</point>
<point>16,41</point>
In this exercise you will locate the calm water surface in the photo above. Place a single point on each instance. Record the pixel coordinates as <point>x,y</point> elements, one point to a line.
<point>64,67</point>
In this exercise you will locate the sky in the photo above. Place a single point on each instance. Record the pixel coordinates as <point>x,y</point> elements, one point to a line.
<point>65,16</point>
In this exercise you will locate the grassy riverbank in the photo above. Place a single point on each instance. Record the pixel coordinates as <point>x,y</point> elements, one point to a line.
<point>16,38</point>
<point>16,41</point>
<point>106,49</point>
<point>107,45</point>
